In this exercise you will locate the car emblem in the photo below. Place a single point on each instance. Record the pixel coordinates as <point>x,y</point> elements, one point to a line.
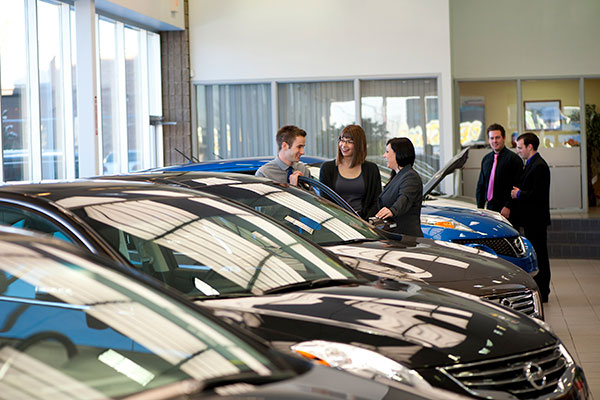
<point>506,302</point>
<point>534,374</point>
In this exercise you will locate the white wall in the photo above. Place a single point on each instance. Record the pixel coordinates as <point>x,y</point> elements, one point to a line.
<point>234,40</point>
<point>519,38</point>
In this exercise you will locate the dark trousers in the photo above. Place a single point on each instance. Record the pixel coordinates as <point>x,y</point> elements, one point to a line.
<point>538,237</point>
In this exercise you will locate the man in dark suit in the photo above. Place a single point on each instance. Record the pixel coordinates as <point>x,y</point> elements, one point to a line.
<point>532,201</point>
<point>500,171</point>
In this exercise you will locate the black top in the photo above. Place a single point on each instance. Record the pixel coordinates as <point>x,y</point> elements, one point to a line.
<point>508,171</point>
<point>351,190</point>
<point>533,203</point>
<point>372,181</point>
<point>403,195</point>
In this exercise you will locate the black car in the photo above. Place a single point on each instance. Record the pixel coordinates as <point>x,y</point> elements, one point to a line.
<point>358,243</point>
<point>259,275</point>
<point>76,327</point>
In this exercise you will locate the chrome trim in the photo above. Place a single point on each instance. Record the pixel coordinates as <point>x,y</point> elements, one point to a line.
<point>532,373</point>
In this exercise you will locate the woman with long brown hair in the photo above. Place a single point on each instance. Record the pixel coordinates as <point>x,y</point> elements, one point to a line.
<point>350,175</point>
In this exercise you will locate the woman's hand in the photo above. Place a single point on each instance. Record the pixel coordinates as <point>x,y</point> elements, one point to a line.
<point>384,213</point>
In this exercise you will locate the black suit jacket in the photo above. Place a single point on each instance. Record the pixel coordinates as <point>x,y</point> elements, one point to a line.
<point>533,203</point>
<point>507,175</point>
<point>403,195</point>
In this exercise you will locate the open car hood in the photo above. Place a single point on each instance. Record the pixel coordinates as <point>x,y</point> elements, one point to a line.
<point>455,163</point>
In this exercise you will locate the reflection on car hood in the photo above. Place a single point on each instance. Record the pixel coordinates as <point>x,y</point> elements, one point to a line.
<point>480,221</point>
<point>406,322</point>
<point>471,270</point>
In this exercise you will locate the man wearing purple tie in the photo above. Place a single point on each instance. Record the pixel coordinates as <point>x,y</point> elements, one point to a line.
<point>500,171</point>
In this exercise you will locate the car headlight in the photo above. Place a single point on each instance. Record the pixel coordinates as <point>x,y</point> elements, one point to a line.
<point>444,222</point>
<point>359,361</point>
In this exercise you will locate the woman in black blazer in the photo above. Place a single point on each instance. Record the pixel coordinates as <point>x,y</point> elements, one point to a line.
<point>350,175</point>
<point>403,195</point>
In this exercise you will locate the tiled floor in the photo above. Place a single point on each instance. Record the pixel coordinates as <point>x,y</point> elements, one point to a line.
<point>573,311</point>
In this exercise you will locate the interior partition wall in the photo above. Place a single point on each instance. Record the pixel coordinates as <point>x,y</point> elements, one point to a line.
<point>551,108</point>
<point>241,119</point>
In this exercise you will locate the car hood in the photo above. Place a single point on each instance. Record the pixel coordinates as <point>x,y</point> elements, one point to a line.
<point>435,262</point>
<point>485,224</point>
<point>408,322</point>
<point>455,163</point>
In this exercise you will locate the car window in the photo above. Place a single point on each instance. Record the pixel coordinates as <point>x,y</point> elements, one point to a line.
<point>206,247</point>
<point>311,216</point>
<point>86,331</point>
<point>18,217</point>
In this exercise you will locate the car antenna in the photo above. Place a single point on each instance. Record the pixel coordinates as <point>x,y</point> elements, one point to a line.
<point>192,159</point>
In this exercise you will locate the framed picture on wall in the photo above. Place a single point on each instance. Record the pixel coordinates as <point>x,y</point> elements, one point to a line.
<point>542,115</point>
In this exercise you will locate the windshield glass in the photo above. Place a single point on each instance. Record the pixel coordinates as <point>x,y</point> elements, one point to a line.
<point>309,215</point>
<point>72,328</point>
<point>207,247</point>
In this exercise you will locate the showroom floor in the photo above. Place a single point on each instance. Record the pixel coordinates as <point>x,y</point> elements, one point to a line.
<point>573,311</point>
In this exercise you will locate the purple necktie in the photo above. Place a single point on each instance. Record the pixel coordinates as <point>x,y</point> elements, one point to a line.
<point>490,193</point>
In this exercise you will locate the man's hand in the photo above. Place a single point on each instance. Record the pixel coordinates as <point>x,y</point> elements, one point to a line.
<point>505,212</point>
<point>514,192</point>
<point>384,213</point>
<point>294,177</point>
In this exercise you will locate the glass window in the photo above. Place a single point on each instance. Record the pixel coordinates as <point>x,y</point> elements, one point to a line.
<point>74,88</point>
<point>485,103</point>
<point>403,108</point>
<point>551,110</point>
<point>18,217</point>
<point>133,86</point>
<point>322,109</point>
<point>230,114</point>
<point>51,90</point>
<point>109,86</point>
<point>15,89</point>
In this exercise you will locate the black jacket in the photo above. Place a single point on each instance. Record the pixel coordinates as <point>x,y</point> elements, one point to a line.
<point>508,171</point>
<point>372,180</point>
<point>533,203</point>
<point>403,195</point>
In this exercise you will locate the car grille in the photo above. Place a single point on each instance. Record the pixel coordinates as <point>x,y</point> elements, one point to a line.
<point>511,246</point>
<point>520,301</point>
<point>521,375</point>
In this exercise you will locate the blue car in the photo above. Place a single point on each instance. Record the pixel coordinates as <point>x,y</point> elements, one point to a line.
<point>442,218</point>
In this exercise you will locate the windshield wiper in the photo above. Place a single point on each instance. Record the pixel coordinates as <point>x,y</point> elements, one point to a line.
<point>251,378</point>
<point>316,283</point>
<point>221,296</point>
<point>351,241</point>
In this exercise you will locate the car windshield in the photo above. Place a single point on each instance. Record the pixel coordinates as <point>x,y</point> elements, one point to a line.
<point>73,328</point>
<point>310,215</point>
<point>207,247</point>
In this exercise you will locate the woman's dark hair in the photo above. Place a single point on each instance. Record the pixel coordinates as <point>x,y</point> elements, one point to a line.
<point>357,135</point>
<point>404,149</point>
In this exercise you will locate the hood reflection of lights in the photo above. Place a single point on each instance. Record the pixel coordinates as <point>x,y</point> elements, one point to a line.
<point>395,315</point>
<point>82,201</point>
<point>467,249</point>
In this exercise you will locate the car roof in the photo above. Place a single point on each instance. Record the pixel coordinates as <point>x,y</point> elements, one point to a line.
<point>94,188</point>
<point>250,164</point>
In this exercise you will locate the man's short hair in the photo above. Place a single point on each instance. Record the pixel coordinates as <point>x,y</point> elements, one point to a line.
<point>496,127</point>
<point>288,134</point>
<point>530,138</point>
